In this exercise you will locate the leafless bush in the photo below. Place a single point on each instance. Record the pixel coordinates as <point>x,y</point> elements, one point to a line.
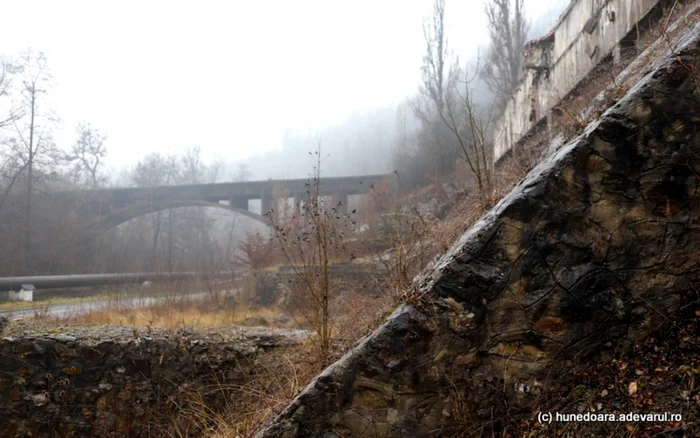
<point>404,230</point>
<point>311,240</point>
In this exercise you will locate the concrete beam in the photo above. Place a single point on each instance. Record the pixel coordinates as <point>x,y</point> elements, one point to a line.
<point>223,191</point>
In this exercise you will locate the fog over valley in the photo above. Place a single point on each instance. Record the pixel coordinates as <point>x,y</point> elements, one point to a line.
<point>247,82</point>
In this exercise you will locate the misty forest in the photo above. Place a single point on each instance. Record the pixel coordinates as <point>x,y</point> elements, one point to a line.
<point>292,219</point>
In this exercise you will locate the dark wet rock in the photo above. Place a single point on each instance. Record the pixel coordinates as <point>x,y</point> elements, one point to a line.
<point>596,246</point>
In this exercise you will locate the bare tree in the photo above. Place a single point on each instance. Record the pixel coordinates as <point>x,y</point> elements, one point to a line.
<point>87,153</point>
<point>507,26</point>
<point>193,168</point>
<point>179,237</point>
<point>256,251</point>
<point>213,169</point>
<point>7,113</point>
<point>437,149</point>
<point>11,172</point>
<point>470,126</point>
<point>31,143</point>
<point>256,255</point>
<point>242,173</point>
<point>158,170</point>
<point>404,229</point>
<point>435,59</point>
<point>11,168</point>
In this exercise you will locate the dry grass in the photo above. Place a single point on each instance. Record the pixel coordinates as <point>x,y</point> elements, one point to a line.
<point>284,373</point>
<point>279,375</point>
<point>187,313</point>
<point>19,305</point>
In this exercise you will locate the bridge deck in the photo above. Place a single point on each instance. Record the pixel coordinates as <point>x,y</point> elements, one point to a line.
<point>223,191</point>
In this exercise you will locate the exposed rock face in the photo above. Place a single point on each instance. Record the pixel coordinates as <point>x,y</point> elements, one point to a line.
<point>111,381</point>
<point>595,246</point>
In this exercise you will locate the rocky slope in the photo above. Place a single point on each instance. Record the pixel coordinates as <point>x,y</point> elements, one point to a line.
<point>596,247</point>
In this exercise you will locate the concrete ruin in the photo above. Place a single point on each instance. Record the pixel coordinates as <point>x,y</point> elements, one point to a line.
<point>587,33</point>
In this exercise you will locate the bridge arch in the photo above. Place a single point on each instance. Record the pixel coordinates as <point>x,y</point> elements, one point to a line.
<point>119,216</point>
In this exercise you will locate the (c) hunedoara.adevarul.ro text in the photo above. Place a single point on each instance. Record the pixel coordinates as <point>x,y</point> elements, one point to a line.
<point>548,417</point>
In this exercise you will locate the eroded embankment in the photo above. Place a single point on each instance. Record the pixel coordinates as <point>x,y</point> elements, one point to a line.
<point>116,381</point>
<point>595,247</point>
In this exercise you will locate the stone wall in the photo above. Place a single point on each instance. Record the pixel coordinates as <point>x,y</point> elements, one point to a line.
<point>587,32</point>
<point>112,381</point>
<point>597,245</point>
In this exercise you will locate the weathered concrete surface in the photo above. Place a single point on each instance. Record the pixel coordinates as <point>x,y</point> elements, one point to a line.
<point>594,247</point>
<point>112,381</point>
<point>557,63</point>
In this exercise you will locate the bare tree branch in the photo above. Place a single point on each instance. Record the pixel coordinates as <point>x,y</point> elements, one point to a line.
<point>507,27</point>
<point>87,152</point>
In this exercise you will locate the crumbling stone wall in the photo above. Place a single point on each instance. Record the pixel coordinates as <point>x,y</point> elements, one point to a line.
<point>597,245</point>
<point>113,381</point>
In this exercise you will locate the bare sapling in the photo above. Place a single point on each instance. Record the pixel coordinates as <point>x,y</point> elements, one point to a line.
<point>311,240</point>
<point>470,126</point>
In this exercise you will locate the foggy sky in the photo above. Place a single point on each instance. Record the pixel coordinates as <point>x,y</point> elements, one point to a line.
<point>229,76</point>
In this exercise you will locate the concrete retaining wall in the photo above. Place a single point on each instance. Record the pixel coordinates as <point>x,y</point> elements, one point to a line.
<point>587,32</point>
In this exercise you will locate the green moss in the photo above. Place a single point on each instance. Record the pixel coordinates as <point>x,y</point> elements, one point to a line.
<point>577,392</point>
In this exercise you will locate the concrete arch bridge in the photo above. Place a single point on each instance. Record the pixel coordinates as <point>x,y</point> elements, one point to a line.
<point>105,209</point>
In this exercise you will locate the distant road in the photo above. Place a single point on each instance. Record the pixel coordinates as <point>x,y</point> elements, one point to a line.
<point>82,307</point>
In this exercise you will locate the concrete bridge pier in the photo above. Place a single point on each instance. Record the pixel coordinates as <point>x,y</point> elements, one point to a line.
<point>266,203</point>
<point>340,201</point>
<point>240,202</point>
<point>298,197</point>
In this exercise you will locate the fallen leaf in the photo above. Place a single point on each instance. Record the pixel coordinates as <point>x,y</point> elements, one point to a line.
<point>632,388</point>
